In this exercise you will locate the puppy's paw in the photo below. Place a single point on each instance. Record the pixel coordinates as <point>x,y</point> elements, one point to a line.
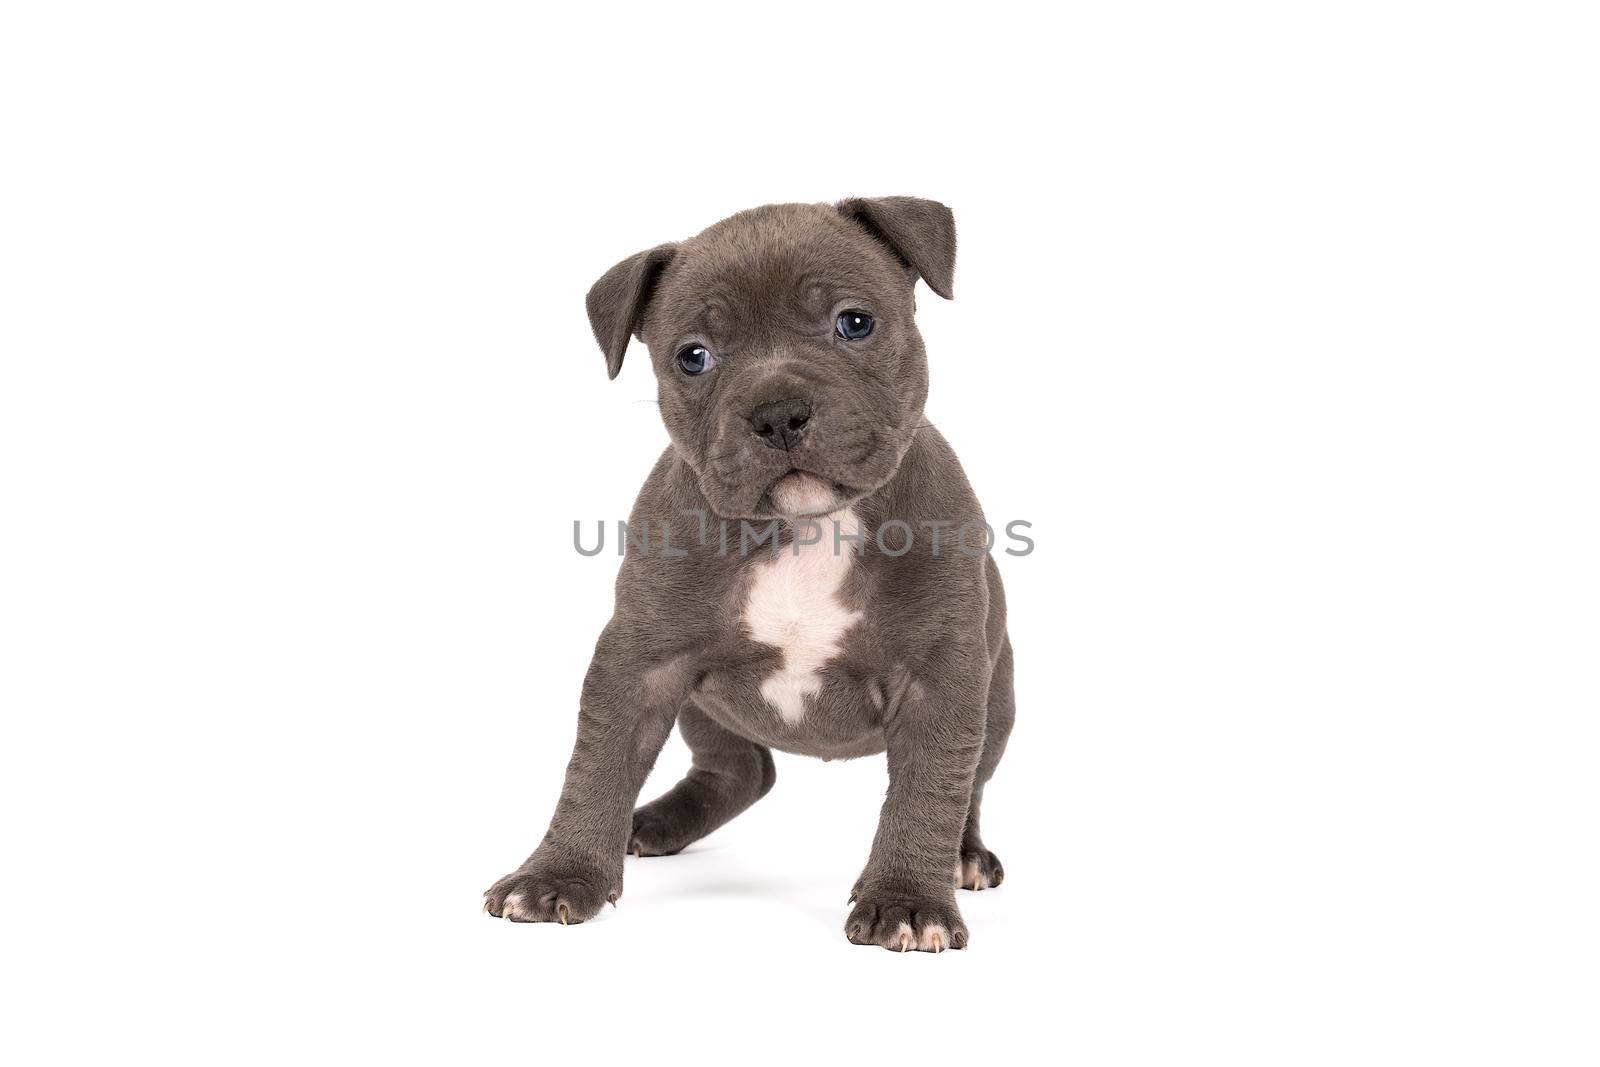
<point>904,922</point>
<point>980,869</point>
<point>660,830</point>
<point>547,892</point>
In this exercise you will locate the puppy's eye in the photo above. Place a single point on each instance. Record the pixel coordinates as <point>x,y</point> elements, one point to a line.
<point>696,360</point>
<point>853,325</point>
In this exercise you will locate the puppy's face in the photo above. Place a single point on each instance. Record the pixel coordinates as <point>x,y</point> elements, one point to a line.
<point>791,374</point>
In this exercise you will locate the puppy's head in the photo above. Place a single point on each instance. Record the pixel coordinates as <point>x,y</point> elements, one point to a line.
<point>788,363</point>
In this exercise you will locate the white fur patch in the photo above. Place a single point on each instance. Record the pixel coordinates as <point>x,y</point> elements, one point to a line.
<point>794,606</point>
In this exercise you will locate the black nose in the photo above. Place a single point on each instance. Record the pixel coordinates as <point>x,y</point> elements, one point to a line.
<point>781,423</point>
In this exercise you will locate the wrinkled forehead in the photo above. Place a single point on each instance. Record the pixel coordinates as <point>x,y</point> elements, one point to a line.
<point>784,268</point>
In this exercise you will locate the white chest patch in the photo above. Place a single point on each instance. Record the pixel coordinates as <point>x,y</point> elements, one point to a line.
<point>794,606</point>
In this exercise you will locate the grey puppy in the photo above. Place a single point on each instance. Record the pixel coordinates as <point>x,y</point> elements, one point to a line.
<point>791,378</point>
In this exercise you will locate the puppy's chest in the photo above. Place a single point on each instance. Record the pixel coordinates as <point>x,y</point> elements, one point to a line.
<point>796,605</point>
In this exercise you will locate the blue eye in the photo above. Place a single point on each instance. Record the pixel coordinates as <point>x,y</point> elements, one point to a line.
<point>696,360</point>
<point>853,325</point>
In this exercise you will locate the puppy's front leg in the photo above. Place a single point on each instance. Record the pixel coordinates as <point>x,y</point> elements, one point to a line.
<point>624,717</point>
<point>905,898</point>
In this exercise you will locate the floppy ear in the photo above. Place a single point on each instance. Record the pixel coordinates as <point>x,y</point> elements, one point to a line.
<point>921,232</point>
<point>617,301</point>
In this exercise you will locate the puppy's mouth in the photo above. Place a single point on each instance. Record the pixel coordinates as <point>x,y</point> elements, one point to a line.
<point>752,481</point>
<point>802,495</point>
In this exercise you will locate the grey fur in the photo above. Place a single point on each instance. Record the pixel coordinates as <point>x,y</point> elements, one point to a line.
<point>925,675</point>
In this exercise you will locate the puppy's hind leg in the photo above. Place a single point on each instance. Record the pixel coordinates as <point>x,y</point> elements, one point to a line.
<point>729,774</point>
<point>980,868</point>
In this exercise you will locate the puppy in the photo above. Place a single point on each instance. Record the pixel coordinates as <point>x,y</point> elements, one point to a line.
<point>800,571</point>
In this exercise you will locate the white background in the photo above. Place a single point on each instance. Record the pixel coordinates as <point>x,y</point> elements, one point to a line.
<point>1278,322</point>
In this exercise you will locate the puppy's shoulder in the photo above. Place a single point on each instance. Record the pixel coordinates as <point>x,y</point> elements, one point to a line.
<point>669,490</point>
<point>930,485</point>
